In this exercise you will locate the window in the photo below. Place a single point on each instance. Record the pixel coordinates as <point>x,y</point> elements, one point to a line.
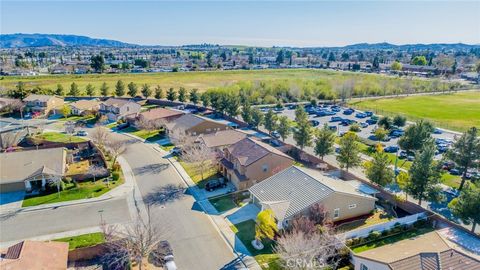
<point>128,108</point>
<point>336,213</point>
<point>265,167</point>
<point>209,129</point>
<point>363,267</point>
<point>351,206</point>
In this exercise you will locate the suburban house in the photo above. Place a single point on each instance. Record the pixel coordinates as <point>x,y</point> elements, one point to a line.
<point>250,161</point>
<point>428,251</point>
<point>43,104</point>
<point>221,139</point>
<point>84,106</point>
<point>193,125</point>
<point>35,255</point>
<point>294,190</point>
<point>31,170</point>
<point>8,103</point>
<point>155,115</point>
<point>115,109</point>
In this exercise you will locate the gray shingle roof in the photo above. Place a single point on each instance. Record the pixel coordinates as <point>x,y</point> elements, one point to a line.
<point>249,150</point>
<point>186,122</point>
<point>296,188</point>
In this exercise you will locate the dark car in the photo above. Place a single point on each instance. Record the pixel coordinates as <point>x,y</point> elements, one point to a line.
<point>330,112</point>
<point>437,131</point>
<point>123,126</point>
<point>371,121</point>
<point>454,172</point>
<point>336,109</point>
<point>275,134</point>
<point>363,125</point>
<point>176,151</point>
<point>82,133</point>
<point>321,113</point>
<point>368,113</point>
<point>336,119</point>
<point>275,143</point>
<point>403,154</point>
<point>314,123</point>
<point>396,133</point>
<point>391,149</point>
<point>360,115</point>
<point>332,128</point>
<point>292,107</point>
<point>348,111</point>
<point>215,184</point>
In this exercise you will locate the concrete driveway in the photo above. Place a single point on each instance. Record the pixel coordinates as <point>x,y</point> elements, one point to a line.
<point>244,213</point>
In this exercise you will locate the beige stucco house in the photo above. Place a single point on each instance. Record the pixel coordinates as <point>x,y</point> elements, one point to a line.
<point>250,161</point>
<point>115,109</point>
<point>428,251</point>
<point>154,116</point>
<point>194,125</point>
<point>31,170</point>
<point>294,190</point>
<point>43,104</point>
<point>84,106</point>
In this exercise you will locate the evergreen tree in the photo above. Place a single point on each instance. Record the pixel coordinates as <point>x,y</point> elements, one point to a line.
<point>146,91</point>
<point>270,122</point>
<point>205,97</point>
<point>324,142</point>
<point>247,113</point>
<point>182,94</point>
<point>349,154</point>
<point>90,90</point>
<point>257,118</point>
<point>104,91</point>
<point>120,88</point>
<point>132,89</point>
<point>60,91</point>
<point>378,171</point>
<point>171,94</point>
<point>159,92</point>
<point>466,206</point>
<point>194,98</point>
<point>74,91</point>
<point>303,134</point>
<point>284,127</point>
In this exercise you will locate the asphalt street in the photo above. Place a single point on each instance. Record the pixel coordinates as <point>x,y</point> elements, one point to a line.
<point>195,240</point>
<point>24,225</point>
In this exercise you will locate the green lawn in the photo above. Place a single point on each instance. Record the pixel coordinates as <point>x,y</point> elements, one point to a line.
<point>452,111</point>
<point>85,190</point>
<point>392,239</point>
<point>451,180</point>
<point>149,135</point>
<point>245,231</point>
<point>196,176</point>
<point>229,201</point>
<point>84,240</point>
<point>59,137</point>
<point>167,147</point>
<point>77,118</point>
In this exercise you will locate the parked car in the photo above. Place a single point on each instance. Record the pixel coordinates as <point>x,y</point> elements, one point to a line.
<point>176,151</point>
<point>335,119</point>
<point>448,165</point>
<point>437,131</point>
<point>321,113</point>
<point>275,134</point>
<point>333,128</point>
<point>27,116</point>
<point>292,107</point>
<point>279,109</point>
<point>348,111</point>
<point>454,172</point>
<point>403,154</point>
<point>410,158</point>
<point>360,115</point>
<point>368,113</point>
<point>275,143</point>
<point>215,184</point>
<point>371,121</point>
<point>123,126</point>
<point>363,125</point>
<point>314,123</point>
<point>391,149</point>
<point>336,109</point>
<point>166,250</point>
<point>396,133</point>
<point>82,133</point>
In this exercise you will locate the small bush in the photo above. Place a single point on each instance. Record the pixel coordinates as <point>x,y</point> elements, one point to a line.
<point>115,176</point>
<point>116,167</point>
<point>354,127</point>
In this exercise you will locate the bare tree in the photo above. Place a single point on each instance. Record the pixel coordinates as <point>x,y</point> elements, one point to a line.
<point>96,171</point>
<point>9,139</point>
<point>315,250</point>
<point>116,148</point>
<point>145,124</point>
<point>180,138</point>
<point>137,243</point>
<point>99,135</point>
<point>200,156</point>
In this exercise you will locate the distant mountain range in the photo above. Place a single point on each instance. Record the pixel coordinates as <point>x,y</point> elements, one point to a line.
<point>43,40</point>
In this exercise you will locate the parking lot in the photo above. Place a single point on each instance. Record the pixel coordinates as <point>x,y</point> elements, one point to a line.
<point>365,132</point>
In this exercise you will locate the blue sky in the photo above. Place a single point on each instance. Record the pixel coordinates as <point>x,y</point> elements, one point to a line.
<point>260,23</point>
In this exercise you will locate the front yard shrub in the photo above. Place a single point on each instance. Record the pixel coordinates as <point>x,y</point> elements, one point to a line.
<point>115,176</point>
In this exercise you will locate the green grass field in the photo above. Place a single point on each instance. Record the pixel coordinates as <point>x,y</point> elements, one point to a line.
<point>458,111</point>
<point>189,80</point>
<point>59,137</point>
<point>84,240</point>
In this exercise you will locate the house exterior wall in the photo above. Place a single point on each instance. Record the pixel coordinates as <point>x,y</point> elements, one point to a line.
<point>45,107</point>
<point>206,127</point>
<point>115,113</point>
<point>255,172</point>
<point>11,187</point>
<point>371,265</point>
<point>342,201</point>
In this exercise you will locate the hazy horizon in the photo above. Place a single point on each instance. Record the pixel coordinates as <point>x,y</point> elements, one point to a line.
<point>262,24</point>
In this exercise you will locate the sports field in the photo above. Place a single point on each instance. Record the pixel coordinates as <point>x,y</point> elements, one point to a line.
<point>458,111</point>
